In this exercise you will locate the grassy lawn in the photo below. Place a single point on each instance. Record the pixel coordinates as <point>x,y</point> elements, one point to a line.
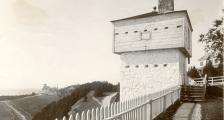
<point>216,91</point>
<point>212,109</point>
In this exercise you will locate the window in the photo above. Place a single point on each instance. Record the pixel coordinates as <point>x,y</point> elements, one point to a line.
<point>146,66</point>
<point>146,36</point>
<point>135,31</point>
<point>166,28</point>
<point>179,26</point>
<point>127,66</point>
<point>136,66</point>
<point>165,65</point>
<point>201,63</point>
<point>145,30</point>
<point>155,65</point>
<point>126,32</point>
<point>116,33</point>
<point>155,28</point>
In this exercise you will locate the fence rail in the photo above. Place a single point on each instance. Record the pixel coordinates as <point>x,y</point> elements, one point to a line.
<point>145,107</point>
<point>211,80</point>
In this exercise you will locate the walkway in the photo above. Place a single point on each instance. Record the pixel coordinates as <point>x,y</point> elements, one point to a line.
<point>211,109</point>
<point>188,111</point>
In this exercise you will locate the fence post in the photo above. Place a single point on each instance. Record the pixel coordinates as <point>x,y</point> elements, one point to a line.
<point>71,117</point>
<point>93,114</point>
<point>88,115</point>
<point>77,117</point>
<point>97,114</point>
<point>150,108</point>
<point>83,116</point>
<point>64,118</point>
<point>172,97</point>
<point>101,113</point>
<point>212,80</point>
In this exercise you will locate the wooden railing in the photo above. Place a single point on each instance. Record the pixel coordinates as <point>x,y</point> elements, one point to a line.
<point>211,80</point>
<point>145,107</point>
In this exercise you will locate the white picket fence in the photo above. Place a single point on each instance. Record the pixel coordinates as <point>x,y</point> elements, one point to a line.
<point>145,107</point>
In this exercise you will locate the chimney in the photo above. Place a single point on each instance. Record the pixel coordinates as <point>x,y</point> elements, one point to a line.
<point>166,6</point>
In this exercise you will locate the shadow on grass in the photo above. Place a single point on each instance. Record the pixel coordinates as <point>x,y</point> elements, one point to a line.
<point>170,112</point>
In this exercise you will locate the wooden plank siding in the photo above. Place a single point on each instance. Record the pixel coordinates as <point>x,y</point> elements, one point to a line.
<point>128,34</point>
<point>128,38</point>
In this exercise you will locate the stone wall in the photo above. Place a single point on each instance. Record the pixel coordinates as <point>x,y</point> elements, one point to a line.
<point>149,71</point>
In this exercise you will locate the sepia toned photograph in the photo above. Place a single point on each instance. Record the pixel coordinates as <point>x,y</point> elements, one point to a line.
<point>111,59</point>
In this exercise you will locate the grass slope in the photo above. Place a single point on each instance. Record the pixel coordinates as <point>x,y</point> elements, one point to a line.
<point>33,104</point>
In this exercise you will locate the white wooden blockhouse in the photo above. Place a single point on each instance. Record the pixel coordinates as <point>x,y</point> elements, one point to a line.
<point>153,48</point>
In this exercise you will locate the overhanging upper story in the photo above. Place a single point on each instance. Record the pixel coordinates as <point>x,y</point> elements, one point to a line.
<point>153,31</point>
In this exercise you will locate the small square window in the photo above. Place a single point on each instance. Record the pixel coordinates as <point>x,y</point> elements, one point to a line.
<point>179,26</point>
<point>145,30</point>
<point>146,36</point>
<point>146,66</point>
<point>116,33</point>
<point>127,66</point>
<point>135,31</point>
<point>201,63</point>
<point>166,28</point>
<point>165,65</point>
<point>155,28</point>
<point>126,32</point>
<point>137,66</point>
<point>156,65</point>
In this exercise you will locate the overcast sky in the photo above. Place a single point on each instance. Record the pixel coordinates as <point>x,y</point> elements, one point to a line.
<point>66,42</point>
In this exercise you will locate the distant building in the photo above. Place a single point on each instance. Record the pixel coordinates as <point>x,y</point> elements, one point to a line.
<point>213,58</point>
<point>216,61</point>
<point>47,90</point>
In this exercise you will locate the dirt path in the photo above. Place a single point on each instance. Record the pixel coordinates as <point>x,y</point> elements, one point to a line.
<point>212,109</point>
<point>107,99</point>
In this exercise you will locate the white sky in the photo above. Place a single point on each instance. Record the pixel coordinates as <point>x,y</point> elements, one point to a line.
<point>66,42</point>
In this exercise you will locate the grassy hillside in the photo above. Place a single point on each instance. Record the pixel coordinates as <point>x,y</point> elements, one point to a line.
<point>63,106</point>
<point>33,104</point>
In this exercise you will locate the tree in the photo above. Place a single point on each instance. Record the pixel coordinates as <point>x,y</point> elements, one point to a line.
<point>209,69</point>
<point>193,73</point>
<point>213,39</point>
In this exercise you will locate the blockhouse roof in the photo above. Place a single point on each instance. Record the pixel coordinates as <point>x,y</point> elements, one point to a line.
<point>155,13</point>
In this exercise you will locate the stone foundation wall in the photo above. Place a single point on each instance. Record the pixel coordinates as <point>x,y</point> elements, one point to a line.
<point>149,71</point>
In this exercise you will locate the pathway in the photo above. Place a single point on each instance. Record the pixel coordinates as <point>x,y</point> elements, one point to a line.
<point>107,99</point>
<point>188,111</point>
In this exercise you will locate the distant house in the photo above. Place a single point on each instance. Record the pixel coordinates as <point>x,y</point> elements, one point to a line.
<point>47,90</point>
<point>216,61</point>
<point>206,58</point>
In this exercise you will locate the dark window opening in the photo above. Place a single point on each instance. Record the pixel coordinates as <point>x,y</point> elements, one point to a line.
<point>126,32</point>
<point>116,33</point>
<point>179,26</point>
<point>155,65</point>
<point>136,66</point>
<point>145,30</point>
<point>165,65</point>
<point>135,31</point>
<point>146,66</point>
<point>166,28</point>
<point>127,66</point>
<point>155,28</point>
